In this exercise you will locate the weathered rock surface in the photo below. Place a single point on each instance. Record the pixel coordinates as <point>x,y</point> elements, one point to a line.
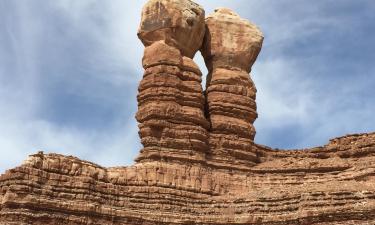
<point>230,41</point>
<point>230,48</point>
<point>178,23</point>
<point>193,169</point>
<point>170,101</point>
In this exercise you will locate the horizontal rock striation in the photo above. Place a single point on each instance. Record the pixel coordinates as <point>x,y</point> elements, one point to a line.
<point>229,55</point>
<point>333,184</point>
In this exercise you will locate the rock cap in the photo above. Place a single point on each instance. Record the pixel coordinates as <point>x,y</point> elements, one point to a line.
<point>230,41</point>
<point>180,23</point>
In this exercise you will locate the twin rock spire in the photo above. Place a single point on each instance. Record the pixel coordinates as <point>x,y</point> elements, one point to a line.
<point>177,119</point>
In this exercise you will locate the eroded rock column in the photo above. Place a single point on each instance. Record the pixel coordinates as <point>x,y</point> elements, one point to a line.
<point>230,48</point>
<point>170,100</point>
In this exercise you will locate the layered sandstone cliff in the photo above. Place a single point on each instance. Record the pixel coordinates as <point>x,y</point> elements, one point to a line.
<point>333,184</point>
<point>199,164</point>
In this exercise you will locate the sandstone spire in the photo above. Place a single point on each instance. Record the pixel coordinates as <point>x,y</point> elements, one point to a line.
<point>230,48</point>
<point>170,100</point>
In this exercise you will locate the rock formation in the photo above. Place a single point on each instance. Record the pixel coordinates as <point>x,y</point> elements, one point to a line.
<point>199,164</point>
<point>229,55</point>
<point>172,124</point>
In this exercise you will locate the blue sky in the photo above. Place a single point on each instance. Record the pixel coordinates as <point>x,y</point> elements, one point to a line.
<point>69,72</point>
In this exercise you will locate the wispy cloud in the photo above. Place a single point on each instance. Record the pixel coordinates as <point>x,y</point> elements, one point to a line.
<point>69,74</point>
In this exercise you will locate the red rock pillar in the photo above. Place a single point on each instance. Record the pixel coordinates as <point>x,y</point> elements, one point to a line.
<point>230,48</point>
<point>170,100</point>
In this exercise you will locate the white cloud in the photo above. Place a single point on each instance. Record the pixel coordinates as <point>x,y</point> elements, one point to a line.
<point>283,95</point>
<point>21,136</point>
<point>23,131</point>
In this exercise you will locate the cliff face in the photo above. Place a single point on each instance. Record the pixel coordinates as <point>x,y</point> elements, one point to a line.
<point>199,164</point>
<point>334,184</point>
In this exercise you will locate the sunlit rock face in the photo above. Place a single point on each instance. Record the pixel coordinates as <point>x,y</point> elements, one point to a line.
<point>231,42</point>
<point>199,164</point>
<point>230,48</point>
